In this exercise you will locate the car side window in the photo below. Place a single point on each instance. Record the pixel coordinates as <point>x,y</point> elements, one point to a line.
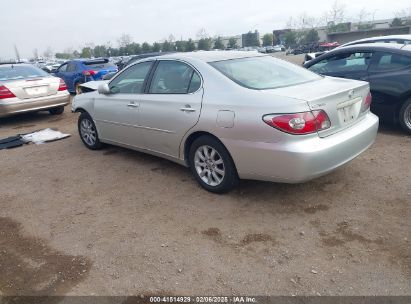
<point>173,77</point>
<point>131,81</point>
<point>195,83</point>
<point>63,68</point>
<point>71,67</point>
<point>390,61</point>
<point>345,62</point>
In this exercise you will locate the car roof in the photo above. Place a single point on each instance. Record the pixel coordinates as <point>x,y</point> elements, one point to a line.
<point>212,56</point>
<point>89,60</point>
<point>395,37</point>
<point>376,46</point>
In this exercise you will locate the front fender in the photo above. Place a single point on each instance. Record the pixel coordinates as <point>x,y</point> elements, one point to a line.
<point>84,102</point>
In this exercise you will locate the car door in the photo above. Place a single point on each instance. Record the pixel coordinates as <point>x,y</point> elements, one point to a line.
<point>117,114</point>
<point>60,72</point>
<point>71,75</point>
<point>352,65</point>
<point>390,78</point>
<point>171,106</point>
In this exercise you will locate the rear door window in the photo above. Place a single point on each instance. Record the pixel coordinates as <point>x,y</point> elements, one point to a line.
<point>63,68</point>
<point>390,61</point>
<point>173,77</point>
<point>71,67</point>
<point>195,83</point>
<point>345,62</point>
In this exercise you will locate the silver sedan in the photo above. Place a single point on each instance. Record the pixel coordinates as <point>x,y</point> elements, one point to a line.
<point>231,115</point>
<point>26,88</point>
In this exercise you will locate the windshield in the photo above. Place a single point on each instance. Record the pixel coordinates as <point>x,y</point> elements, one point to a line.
<point>15,72</point>
<point>264,72</point>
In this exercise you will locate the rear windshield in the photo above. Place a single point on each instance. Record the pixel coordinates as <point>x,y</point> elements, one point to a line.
<point>15,72</point>
<point>264,72</point>
<point>98,65</point>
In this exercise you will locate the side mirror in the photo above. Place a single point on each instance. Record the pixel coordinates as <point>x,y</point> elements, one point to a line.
<point>103,89</point>
<point>53,71</point>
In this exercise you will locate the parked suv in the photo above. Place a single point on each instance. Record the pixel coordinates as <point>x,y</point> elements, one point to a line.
<point>78,71</point>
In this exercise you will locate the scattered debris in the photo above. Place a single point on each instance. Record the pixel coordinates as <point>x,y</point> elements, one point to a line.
<point>43,136</point>
<point>37,137</point>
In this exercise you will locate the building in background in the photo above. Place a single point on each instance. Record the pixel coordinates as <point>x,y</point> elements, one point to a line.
<point>349,31</point>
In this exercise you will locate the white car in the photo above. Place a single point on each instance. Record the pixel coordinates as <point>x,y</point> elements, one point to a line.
<point>230,115</point>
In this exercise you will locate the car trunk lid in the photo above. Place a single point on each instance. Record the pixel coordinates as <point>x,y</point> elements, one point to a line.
<point>33,88</point>
<point>341,99</point>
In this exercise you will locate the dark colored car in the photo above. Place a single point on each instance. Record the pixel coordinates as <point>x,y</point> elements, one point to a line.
<point>121,65</point>
<point>387,67</point>
<point>146,55</point>
<point>78,71</point>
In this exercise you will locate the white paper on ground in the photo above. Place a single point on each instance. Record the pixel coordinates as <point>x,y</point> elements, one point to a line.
<point>43,136</point>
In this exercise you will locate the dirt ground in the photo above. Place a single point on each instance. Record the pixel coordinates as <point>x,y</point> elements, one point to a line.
<point>119,222</point>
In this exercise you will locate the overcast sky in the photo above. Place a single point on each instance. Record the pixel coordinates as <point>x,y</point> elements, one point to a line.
<point>61,24</point>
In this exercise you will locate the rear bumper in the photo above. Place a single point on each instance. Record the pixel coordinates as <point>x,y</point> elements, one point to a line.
<point>305,159</point>
<point>11,107</point>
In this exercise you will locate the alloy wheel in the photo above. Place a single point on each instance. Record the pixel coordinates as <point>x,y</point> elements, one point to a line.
<point>88,132</point>
<point>209,165</point>
<point>407,117</point>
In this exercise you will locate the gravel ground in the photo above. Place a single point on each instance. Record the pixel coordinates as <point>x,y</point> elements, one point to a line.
<point>119,222</point>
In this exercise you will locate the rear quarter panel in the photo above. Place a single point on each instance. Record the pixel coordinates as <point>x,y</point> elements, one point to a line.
<point>389,90</point>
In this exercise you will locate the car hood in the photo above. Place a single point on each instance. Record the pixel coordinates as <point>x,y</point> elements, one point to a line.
<point>93,85</point>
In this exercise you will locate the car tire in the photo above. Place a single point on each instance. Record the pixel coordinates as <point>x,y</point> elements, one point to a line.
<point>77,89</point>
<point>88,132</point>
<point>405,116</point>
<point>212,165</point>
<point>57,110</point>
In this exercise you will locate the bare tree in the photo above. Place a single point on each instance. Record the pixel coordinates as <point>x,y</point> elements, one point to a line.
<point>171,38</point>
<point>90,44</point>
<point>305,21</point>
<point>36,53</point>
<point>48,53</point>
<point>124,40</point>
<point>403,13</point>
<point>69,50</point>
<point>202,34</point>
<point>363,15</point>
<point>290,23</point>
<point>336,13</point>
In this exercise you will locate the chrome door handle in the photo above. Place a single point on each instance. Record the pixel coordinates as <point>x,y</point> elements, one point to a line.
<point>188,109</point>
<point>132,105</point>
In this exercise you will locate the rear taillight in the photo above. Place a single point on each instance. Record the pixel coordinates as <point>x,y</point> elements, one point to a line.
<point>299,123</point>
<point>62,85</point>
<point>5,93</point>
<point>90,73</point>
<point>367,103</point>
